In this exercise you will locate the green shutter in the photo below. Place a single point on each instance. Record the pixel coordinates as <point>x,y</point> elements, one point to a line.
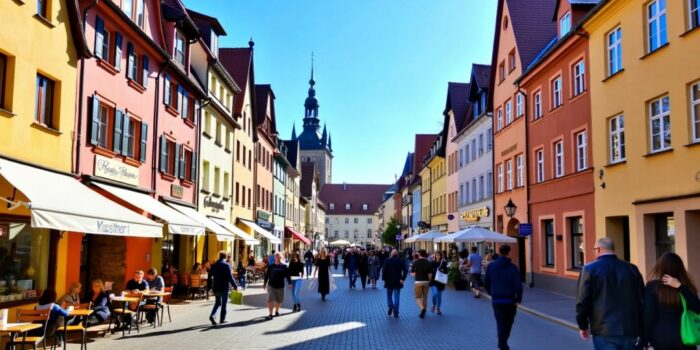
<point>144,68</point>
<point>183,163</point>
<point>118,51</point>
<point>177,161</point>
<point>185,104</point>
<point>166,91</point>
<point>144,139</point>
<point>163,154</point>
<point>95,120</point>
<point>127,138</point>
<point>117,140</point>
<point>99,37</point>
<point>193,167</point>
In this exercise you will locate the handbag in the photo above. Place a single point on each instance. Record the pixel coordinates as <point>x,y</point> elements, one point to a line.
<point>236,297</point>
<point>690,325</point>
<point>441,277</point>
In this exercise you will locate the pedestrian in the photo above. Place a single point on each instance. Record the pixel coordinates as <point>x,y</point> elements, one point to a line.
<point>610,300</point>
<point>436,288</point>
<point>374,267</point>
<point>475,271</point>
<point>345,266</point>
<point>220,278</point>
<point>271,258</point>
<point>668,280</point>
<point>296,271</point>
<point>336,259</point>
<point>506,290</point>
<point>308,262</point>
<point>351,262</point>
<point>394,274</point>
<point>323,272</point>
<point>363,268</point>
<point>275,275</point>
<point>242,272</point>
<point>422,271</point>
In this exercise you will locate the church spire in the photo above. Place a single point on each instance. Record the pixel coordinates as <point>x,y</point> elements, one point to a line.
<point>330,148</point>
<point>324,136</point>
<point>311,103</point>
<point>294,131</point>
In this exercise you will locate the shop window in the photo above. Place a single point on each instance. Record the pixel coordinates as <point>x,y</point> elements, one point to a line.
<point>548,231</point>
<point>577,246</point>
<point>25,255</point>
<point>665,234</point>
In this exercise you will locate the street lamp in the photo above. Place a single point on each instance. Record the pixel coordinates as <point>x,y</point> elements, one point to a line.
<point>510,208</point>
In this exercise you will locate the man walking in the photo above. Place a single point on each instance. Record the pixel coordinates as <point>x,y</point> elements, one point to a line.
<point>308,262</point>
<point>220,278</point>
<point>475,271</point>
<point>610,300</point>
<point>351,261</point>
<point>273,283</point>
<point>394,273</point>
<point>506,289</point>
<point>422,271</point>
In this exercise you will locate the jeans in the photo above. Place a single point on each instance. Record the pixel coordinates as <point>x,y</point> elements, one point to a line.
<point>393,296</point>
<point>220,299</point>
<point>296,289</point>
<point>363,280</point>
<point>241,281</point>
<point>613,342</point>
<point>309,266</point>
<point>352,276</point>
<point>437,296</point>
<point>505,315</point>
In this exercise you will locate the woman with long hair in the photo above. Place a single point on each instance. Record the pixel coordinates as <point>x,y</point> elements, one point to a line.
<point>100,302</point>
<point>323,272</point>
<point>296,271</point>
<point>668,281</point>
<point>436,288</point>
<point>374,266</point>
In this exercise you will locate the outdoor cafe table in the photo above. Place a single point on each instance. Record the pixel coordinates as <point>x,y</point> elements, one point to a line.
<point>154,294</point>
<point>16,328</point>
<point>79,313</point>
<point>125,306</point>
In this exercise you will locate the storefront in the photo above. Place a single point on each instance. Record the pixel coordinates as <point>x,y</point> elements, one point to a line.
<point>294,240</point>
<point>268,241</point>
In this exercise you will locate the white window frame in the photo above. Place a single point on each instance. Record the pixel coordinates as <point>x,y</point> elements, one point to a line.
<point>581,151</point>
<point>559,158</point>
<point>556,93</point>
<point>519,170</point>
<point>579,77</point>
<point>695,109</point>
<point>509,112</point>
<point>539,156</point>
<point>661,37</point>
<point>509,174</point>
<point>518,104</point>
<point>500,178</point>
<point>499,119</point>
<point>664,119</point>
<point>694,14</point>
<point>537,103</point>
<point>616,131</point>
<point>178,55</point>
<point>614,38</point>
<point>565,24</point>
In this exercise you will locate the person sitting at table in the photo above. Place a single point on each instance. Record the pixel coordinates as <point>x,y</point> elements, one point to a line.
<point>251,260</point>
<point>57,313</point>
<point>206,267</point>
<point>197,269</point>
<point>100,303</point>
<point>137,283</point>
<point>72,297</point>
<point>155,283</point>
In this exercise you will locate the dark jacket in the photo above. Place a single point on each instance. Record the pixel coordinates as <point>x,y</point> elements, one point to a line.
<point>309,257</point>
<point>610,298</point>
<point>393,272</point>
<point>662,323</point>
<point>100,306</point>
<point>442,267</point>
<point>296,269</point>
<point>363,264</point>
<point>276,274</point>
<point>503,283</point>
<point>222,277</point>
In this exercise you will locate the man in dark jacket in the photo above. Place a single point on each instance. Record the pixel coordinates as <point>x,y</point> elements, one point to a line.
<point>506,290</point>
<point>394,274</point>
<point>351,262</point>
<point>308,262</point>
<point>610,300</point>
<point>220,278</point>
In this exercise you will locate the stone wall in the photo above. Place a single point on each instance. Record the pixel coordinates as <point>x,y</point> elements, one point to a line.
<point>107,260</point>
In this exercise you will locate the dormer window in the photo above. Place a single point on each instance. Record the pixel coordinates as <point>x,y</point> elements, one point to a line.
<point>564,24</point>
<point>332,206</point>
<point>179,53</point>
<point>134,12</point>
<point>364,207</point>
<point>347,206</point>
<point>214,43</point>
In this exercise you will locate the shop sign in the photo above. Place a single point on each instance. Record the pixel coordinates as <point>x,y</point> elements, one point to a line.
<point>475,214</point>
<point>209,203</point>
<point>263,215</point>
<point>509,149</point>
<point>176,191</point>
<point>265,224</point>
<point>108,227</point>
<point>116,170</point>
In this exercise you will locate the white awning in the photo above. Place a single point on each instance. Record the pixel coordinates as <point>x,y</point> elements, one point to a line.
<point>221,233</point>
<point>177,223</point>
<point>261,231</point>
<point>63,203</point>
<point>249,240</point>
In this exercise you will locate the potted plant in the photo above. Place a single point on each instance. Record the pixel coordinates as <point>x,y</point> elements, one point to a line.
<point>454,276</point>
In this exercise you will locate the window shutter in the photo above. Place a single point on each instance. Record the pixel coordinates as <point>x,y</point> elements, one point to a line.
<point>166,91</point>
<point>130,61</point>
<point>144,139</point>
<point>118,132</point>
<point>126,140</point>
<point>185,104</point>
<point>183,162</point>
<point>179,99</point>
<point>144,74</point>
<point>118,51</point>
<point>95,120</point>
<point>193,167</point>
<point>99,37</point>
<point>196,111</point>
<point>163,154</point>
<point>177,160</point>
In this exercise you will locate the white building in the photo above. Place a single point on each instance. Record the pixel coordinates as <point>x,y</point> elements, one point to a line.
<point>350,212</point>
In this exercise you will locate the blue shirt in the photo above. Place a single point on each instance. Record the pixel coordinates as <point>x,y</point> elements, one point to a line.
<point>475,261</point>
<point>271,259</point>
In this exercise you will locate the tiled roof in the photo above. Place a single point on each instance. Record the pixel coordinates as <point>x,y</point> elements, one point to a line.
<point>292,151</point>
<point>354,194</point>
<point>204,21</point>
<point>308,172</point>
<point>582,3</point>
<point>238,62</point>
<point>482,75</point>
<point>533,26</point>
<point>457,97</point>
<point>263,92</point>
<point>422,148</point>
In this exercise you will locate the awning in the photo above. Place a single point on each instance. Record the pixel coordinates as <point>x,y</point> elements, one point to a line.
<point>296,235</point>
<point>178,223</point>
<point>261,231</point>
<point>221,233</point>
<point>249,240</point>
<point>63,203</point>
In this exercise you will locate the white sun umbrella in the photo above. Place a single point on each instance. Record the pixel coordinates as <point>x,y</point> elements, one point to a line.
<point>429,236</point>
<point>475,234</point>
<point>340,242</point>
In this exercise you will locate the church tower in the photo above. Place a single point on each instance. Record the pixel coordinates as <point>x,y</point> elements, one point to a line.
<point>313,146</point>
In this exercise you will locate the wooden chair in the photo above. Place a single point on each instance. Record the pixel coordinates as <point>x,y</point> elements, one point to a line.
<point>131,310</point>
<point>32,316</point>
<point>184,283</point>
<point>81,327</point>
<point>197,288</point>
<point>165,304</point>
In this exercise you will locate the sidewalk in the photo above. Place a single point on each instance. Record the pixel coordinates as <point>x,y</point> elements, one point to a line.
<point>554,307</point>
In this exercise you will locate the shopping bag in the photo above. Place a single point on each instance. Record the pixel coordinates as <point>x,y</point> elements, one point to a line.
<point>690,325</point>
<point>332,284</point>
<point>236,297</point>
<point>311,286</point>
<point>441,277</point>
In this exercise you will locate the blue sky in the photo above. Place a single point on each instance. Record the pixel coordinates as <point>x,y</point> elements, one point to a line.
<point>382,67</point>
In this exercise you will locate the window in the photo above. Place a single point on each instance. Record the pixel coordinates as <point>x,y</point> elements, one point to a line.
<point>28,249</point>
<point>139,13</point>
<point>481,144</point>
<point>656,25</point>
<point>539,156</point>
<point>519,170</point>
<point>559,159</point>
<point>509,112</point>
<point>461,158</point>
<point>42,8</point>
<point>226,188</point>
<point>474,190</point>
<point>369,220</point>
<point>499,119</point>
<point>179,48</point>
<point>502,72</point>
<point>237,192</point>
<point>489,184</point>
<point>356,221</point>
<point>537,105</point>
<point>617,139</point>
<point>347,234</point>
<point>614,51</point>
<point>214,43</point>
<point>509,175</point>
<point>347,206</point>
<point>217,136</point>
<point>228,140</point>
<point>518,104</point>
<point>548,228</point>
<point>347,220</point>
<point>565,24</point>
<point>576,248</point>
<point>132,62</point>
<point>556,92</point>
<point>695,110</point>
<point>694,11</point>
<point>103,121</point>
<point>665,233</point>
<point>467,198</point>
<point>489,139</point>
<point>474,149</point>
<point>660,124</point>
<point>482,190</point>
<point>500,178</point>
<point>581,152</point>
<point>364,207</point>
<point>579,78</point>
<point>43,104</point>
<point>332,206</point>
<point>3,78</point>
<point>108,47</point>
<point>511,61</point>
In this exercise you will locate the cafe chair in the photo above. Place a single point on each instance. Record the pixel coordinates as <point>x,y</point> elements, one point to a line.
<point>78,328</point>
<point>145,308</point>
<point>165,304</point>
<point>184,283</point>
<point>130,310</point>
<point>197,286</point>
<point>39,336</point>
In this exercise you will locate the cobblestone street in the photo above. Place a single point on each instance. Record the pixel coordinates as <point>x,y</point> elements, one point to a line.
<point>349,319</point>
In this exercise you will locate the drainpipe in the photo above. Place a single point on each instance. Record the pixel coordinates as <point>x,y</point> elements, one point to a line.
<point>154,168</point>
<point>527,191</point>
<point>81,85</point>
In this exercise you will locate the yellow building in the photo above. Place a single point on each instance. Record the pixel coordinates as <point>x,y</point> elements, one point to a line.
<point>645,96</point>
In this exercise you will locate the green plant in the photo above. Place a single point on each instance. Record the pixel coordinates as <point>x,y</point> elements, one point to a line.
<point>454,274</point>
<point>390,232</point>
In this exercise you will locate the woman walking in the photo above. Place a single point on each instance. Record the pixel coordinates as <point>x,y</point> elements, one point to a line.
<point>323,272</point>
<point>296,271</point>
<point>436,288</point>
<point>363,268</point>
<point>668,280</point>
<point>374,267</point>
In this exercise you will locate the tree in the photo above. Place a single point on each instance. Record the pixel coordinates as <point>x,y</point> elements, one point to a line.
<point>390,232</point>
